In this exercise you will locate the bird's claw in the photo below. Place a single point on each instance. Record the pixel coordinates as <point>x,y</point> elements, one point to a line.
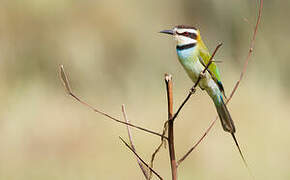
<point>192,90</point>
<point>202,75</point>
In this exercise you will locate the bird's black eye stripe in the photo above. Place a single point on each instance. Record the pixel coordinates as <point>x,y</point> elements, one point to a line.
<point>188,34</point>
<point>192,35</point>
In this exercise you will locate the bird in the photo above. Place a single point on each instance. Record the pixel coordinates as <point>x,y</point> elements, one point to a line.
<point>194,56</point>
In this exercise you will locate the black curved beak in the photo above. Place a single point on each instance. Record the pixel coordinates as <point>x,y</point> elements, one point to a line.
<point>167,32</point>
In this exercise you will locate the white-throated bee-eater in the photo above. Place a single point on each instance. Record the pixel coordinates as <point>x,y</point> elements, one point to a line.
<point>194,56</point>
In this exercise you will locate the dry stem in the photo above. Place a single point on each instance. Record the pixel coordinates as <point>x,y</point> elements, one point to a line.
<point>168,81</point>
<point>196,144</point>
<point>66,84</point>
<point>141,159</point>
<point>158,148</point>
<point>143,169</point>
<point>251,49</point>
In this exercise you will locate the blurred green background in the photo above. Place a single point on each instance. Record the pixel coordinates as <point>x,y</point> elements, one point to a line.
<point>114,55</point>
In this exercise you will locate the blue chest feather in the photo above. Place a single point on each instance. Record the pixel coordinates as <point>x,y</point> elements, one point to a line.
<point>186,53</point>
<point>189,60</point>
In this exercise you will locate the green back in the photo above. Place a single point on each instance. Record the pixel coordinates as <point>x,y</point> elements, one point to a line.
<point>204,58</point>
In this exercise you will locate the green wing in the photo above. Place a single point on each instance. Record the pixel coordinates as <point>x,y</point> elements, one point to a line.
<point>204,57</point>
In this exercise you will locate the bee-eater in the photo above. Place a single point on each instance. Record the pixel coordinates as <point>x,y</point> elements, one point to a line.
<point>194,56</point>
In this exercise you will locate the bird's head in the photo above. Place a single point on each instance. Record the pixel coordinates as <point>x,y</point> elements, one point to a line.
<point>184,35</point>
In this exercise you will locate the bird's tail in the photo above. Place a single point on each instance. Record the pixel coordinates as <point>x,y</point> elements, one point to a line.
<point>244,160</point>
<point>224,115</point>
<point>228,124</point>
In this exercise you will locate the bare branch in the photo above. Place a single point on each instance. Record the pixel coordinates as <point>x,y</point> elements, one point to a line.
<point>193,89</point>
<point>252,44</point>
<point>168,81</point>
<point>141,159</point>
<point>144,170</point>
<point>158,148</point>
<point>69,91</point>
<point>251,49</point>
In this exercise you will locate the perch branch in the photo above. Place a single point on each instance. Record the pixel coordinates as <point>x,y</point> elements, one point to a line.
<point>69,91</point>
<point>141,159</point>
<point>141,165</point>
<point>251,49</point>
<point>168,81</point>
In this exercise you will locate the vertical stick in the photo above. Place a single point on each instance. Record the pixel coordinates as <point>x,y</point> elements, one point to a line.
<point>168,81</point>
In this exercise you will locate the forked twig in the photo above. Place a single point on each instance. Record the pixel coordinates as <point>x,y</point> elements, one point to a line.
<point>141,165</point>
<point>251,49</point>
<point>69,91</point>
<point>141,159</point>
<point>158,148</point>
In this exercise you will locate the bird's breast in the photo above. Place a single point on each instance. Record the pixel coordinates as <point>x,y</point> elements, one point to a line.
<point>189,60</point>
<point>186,53</point>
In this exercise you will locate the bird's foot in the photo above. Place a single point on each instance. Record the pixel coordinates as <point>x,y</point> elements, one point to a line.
<point>202,75</point>
<point>192,90</point>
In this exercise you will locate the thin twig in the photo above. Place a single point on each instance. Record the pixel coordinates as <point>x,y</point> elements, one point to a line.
<point>251,49</point>
<point>158,148</point>
<point>141,159</point>
<point>153,158</point>
<point>168,81</point>
<point>193,89</point>
<point>69,91</point>
<point>197,143</point>
<point>252,44</point>
<point>141,165</point>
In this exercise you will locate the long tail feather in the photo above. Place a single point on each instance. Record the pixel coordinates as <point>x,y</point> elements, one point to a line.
<point>228,125</point>
<point>224,115</point>
<point>240,151</point>
<point>241,154</point>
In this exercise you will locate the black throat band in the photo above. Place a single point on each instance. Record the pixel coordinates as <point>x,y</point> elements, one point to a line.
<point>187,46</point>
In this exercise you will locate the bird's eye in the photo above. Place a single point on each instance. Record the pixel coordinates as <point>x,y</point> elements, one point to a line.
<point>186,33</point>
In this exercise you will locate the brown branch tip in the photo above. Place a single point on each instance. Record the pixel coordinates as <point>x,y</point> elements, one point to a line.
<point>64,79</point>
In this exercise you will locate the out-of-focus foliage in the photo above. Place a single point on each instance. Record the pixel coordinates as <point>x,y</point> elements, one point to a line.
<point>114,55</point>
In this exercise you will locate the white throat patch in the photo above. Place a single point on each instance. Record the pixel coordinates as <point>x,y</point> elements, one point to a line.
<point>182,40</point>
